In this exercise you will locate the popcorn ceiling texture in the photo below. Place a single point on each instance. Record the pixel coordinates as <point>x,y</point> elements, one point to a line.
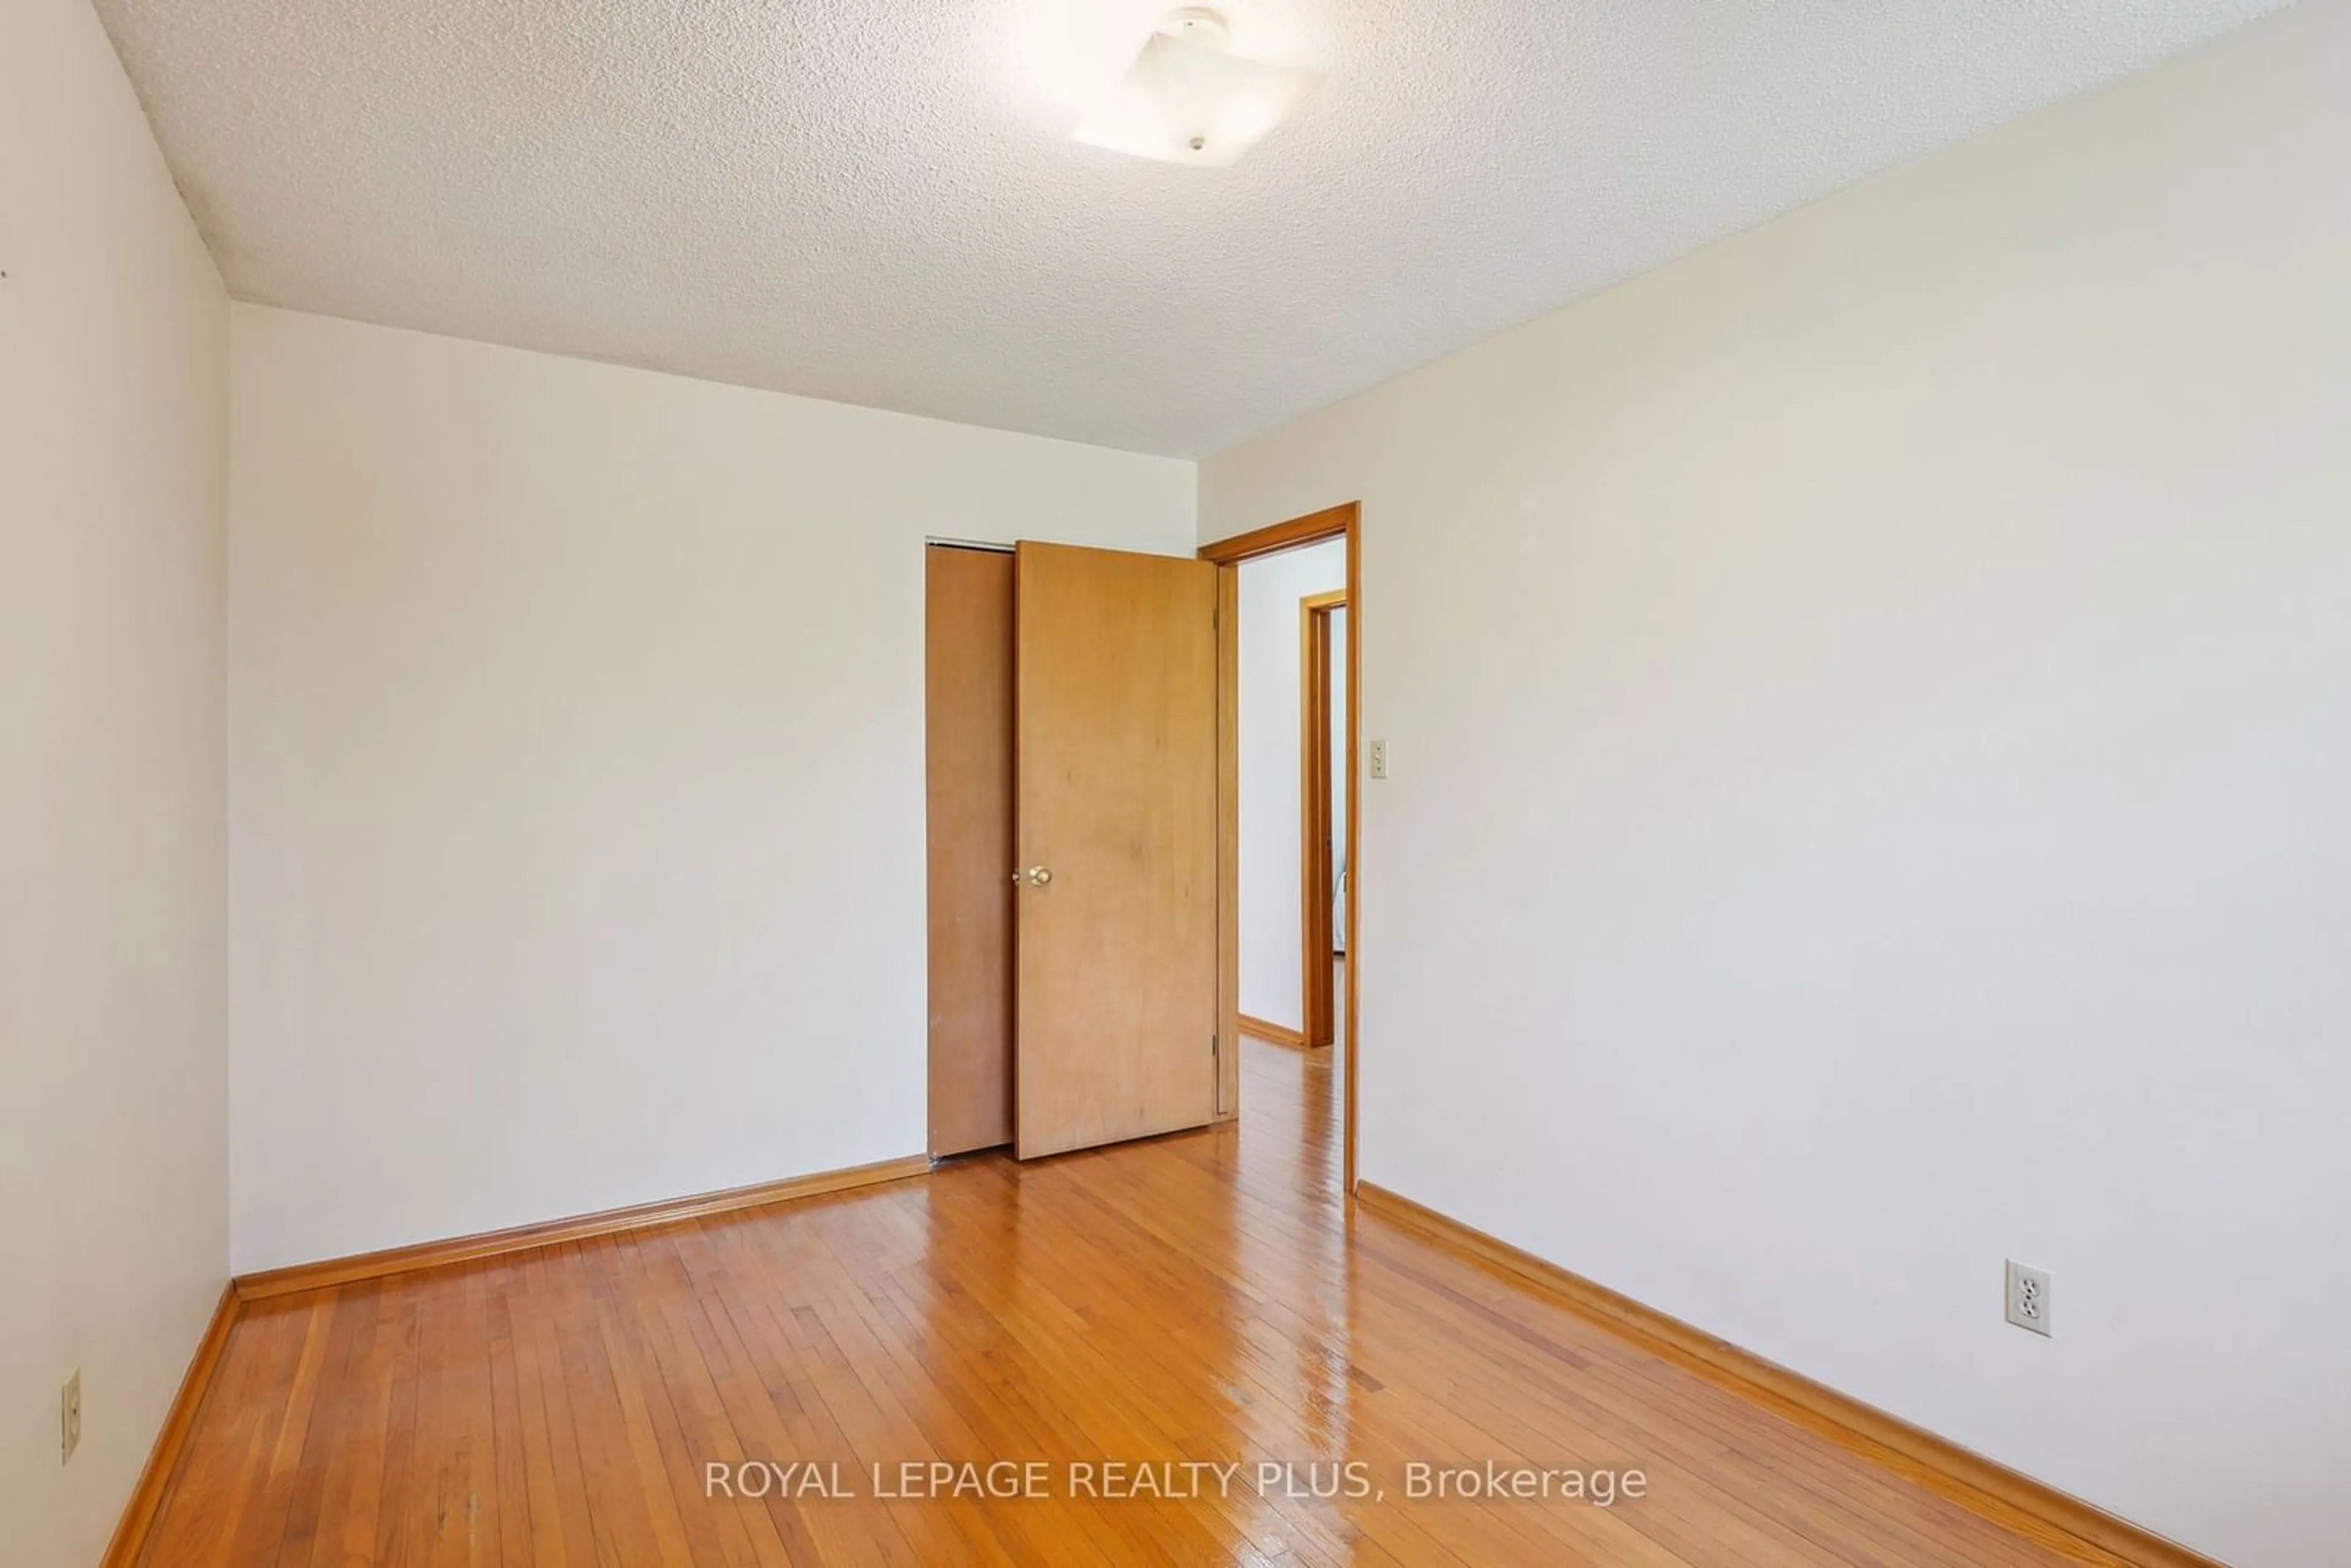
<point>872,200</point>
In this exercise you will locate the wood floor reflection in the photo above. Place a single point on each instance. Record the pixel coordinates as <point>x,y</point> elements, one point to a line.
<point>1200,1298</point>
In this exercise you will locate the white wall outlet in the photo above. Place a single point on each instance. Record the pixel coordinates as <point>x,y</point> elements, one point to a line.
<point>2028,1297</point>
<point>1379,759</point>
<point>69,1413</point>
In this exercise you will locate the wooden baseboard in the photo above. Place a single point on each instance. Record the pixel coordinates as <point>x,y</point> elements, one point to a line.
<point>1982,1485</point>
<point>147,1497</point>
<point>1272,1033</point>
<point>580,1227</point>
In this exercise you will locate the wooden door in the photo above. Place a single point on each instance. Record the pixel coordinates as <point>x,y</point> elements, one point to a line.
<point>1115,807</point>
<point>967,766</point>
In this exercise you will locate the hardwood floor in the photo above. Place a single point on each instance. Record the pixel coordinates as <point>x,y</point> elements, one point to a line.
<point>1200,1298</point>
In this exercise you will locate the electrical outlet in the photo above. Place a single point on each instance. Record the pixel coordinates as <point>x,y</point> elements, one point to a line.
<point>1379,759</point>
<point>69,1413</point>
<point>2028,1297</point>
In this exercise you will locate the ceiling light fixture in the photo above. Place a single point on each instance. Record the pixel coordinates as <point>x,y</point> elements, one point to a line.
<point>1186,100</point>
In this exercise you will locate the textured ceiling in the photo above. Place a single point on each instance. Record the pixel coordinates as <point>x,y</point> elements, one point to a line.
<point>873,200</point>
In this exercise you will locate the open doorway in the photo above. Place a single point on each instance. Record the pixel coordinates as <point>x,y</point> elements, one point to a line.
<point>1292,843</point>
<point>1289,662</point>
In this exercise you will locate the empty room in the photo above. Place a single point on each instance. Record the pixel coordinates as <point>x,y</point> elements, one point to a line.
<point>1054,781</point>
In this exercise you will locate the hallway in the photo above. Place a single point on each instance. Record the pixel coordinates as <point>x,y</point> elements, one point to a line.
<point>1198,1298</point>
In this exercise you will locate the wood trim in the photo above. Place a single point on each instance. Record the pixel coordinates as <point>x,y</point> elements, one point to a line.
<point>1314,768</point>
<point>1273,1033</point>
<point>580,1227</point>
<point>1313,796</point>
<point>1982,1485</point>
<point>163,1459</point>
<point>1314,527</point>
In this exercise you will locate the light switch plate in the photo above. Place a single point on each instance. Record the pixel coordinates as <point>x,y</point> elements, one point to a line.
<point>1379,759</point>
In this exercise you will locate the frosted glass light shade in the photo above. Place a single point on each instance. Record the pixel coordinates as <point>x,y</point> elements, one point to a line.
<point>1190,102</point>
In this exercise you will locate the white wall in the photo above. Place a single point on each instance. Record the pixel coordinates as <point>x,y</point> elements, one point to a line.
<point>1871,724</point>
<point>113,474</point>
<point>576,742</point>
<point>1270,919</point>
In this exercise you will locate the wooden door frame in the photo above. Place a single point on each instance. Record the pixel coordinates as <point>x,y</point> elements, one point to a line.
<point>1316,885</point>
<point>1342,521</point>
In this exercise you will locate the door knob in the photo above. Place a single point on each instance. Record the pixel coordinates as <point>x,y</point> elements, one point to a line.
<point>1035,876</point>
